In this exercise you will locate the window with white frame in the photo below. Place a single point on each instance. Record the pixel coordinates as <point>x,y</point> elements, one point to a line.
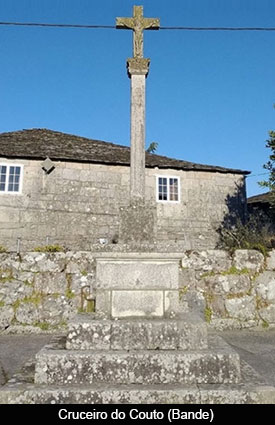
<point>168,189</point>
<point>10,178</point>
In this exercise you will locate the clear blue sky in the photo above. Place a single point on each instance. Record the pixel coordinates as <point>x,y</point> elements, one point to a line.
<point>210,95</point>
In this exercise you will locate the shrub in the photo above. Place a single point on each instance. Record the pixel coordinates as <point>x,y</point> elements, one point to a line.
<point>257,233</point>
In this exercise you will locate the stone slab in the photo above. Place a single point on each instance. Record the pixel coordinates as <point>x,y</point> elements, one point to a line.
<point>185,333</point>
<point>140,273</point>
<point>137,304</point>
<point>66,367</point>
<point>136,394</point>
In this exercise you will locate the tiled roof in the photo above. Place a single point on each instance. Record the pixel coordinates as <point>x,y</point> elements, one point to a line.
<point>40,143</point>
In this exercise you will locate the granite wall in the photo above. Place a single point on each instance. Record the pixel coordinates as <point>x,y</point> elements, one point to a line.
<point>42,291</point>
<point>78,205</point>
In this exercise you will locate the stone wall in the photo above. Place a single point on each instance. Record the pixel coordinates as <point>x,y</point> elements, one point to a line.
<point>235,291</point>
<point>78,205</point>
<point>42,291</point>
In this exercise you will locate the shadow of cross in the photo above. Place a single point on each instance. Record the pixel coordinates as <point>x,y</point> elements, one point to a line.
<point>138,24</point>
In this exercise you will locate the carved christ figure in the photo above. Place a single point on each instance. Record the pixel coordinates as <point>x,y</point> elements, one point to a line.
<point>138,24</point>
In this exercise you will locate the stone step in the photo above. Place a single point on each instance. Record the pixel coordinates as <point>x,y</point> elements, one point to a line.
<point>217,365</point>
<point>23,393</point>
<point>187,332</point>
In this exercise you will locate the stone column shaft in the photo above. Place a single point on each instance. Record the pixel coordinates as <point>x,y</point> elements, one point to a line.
<point>137,173</point>
<point>137,71</point>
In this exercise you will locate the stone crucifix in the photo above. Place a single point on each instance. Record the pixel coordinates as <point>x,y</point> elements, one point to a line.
<point>138,68</point>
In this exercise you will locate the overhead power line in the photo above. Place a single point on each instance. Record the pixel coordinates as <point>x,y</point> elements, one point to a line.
<point>181,28</point>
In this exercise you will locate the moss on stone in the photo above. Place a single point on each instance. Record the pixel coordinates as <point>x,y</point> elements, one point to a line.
<point>35,298</point>
<point>49,248</point>
<point>69,294</point>
<point>234,271</point>
<point>265,324</point>
<point>15,305</point>
<point>6,275</point>
<point>182,292</point>
<point>236,295</point>
<point>208,314</point>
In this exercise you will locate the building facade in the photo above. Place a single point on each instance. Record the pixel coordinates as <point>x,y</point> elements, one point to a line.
<point>62,189</point>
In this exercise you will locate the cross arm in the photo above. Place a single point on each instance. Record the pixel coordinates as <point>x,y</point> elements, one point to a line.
<point>151,23</point>
<point>125,23</point>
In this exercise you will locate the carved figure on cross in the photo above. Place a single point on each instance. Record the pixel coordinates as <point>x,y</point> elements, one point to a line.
<point>138,24</point>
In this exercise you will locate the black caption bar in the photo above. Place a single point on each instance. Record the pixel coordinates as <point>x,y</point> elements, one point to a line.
<point>161,414</point>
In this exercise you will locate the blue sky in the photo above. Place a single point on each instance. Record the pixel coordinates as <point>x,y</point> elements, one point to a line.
<point>210,95</point>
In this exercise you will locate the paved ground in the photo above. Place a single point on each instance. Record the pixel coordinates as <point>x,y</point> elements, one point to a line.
<point>257,348</point>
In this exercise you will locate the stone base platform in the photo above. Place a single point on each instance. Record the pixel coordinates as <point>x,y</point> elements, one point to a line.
<point>216,365</point>
<point>186,332</point>
<point>251,390</point>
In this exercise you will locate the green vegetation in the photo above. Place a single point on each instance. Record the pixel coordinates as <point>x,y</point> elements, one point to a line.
<point>152,148</point>
<point>233,270</point>
<point>49,248</point>
<point>208,314</point>
<point>2,303</point>
<point>182,292</point>
<point>69,293</point>
<point>2,249</point>
<point>270,166</point>
<point>265,324</point>
<point>256,234</point>
<point>35,298</point>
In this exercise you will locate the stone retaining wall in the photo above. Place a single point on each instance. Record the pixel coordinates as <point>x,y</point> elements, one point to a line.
<point>235,291</point>
<point>42,291</point>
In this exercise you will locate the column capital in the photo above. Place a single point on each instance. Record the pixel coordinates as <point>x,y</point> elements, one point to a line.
<point>138,66</point>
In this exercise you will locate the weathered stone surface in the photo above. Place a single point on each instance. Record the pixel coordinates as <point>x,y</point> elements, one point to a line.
<point>57,310</point>
<point>43,262</point>
<point>268,314</point>
<point>243,308</point>
<point>139,273</point>
<point>81,262</point>
<point>28,313</point>
<point>144,367</point>
<point>265,286</point>
<point>6,316</point>
<point>209,260</point>
<point>51,283</point>
<point>137,223</point>
<point>73,278</point>
<point>2,375</point>
<point>12,291</point>
<point>186,332</point>
<point>137,394</point>
<point>227,283</point>
<point>137,304</point>
<point>171,303</point>
<point>248,259</point>
<point>251,390</point>
<point>270,261</point>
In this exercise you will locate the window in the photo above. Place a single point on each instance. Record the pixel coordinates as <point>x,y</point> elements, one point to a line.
<point>10,178</point>
<point>167,189</point>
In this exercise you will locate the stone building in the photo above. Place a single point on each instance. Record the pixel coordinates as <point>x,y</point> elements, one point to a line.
<point>57,188</point>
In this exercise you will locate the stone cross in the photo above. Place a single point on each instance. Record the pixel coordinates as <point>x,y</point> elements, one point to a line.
<point>138,23</point>
<point>138,68</point>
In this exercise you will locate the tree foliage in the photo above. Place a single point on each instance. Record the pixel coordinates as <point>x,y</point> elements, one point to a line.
<point>270,166</point>
<point>152,147</point>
